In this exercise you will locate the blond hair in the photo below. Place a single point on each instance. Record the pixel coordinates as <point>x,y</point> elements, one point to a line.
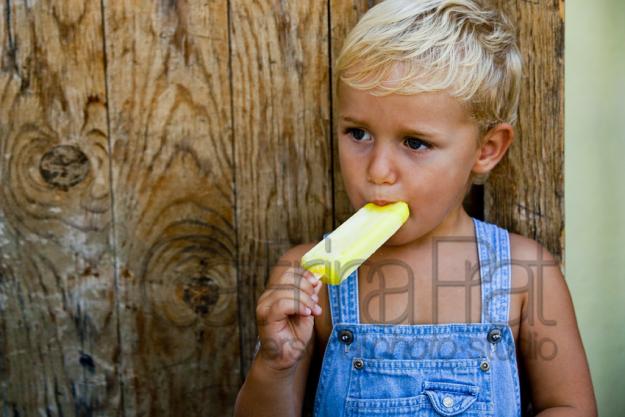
<point>457,46</point>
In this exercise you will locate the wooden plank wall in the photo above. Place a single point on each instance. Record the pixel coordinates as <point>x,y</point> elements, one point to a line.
<point>157,157</point>
<point>533,204</point>
<point>173,173</point>
<point>59,339</point>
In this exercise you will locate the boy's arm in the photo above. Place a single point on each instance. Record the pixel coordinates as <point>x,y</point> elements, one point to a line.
<point>268,391</point>
<point>550,342</point>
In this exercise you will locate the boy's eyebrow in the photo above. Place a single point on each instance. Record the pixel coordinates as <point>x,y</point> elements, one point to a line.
<point>408,130</point>
<point>354,120</point>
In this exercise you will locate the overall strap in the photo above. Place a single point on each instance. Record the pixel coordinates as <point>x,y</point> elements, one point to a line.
<point>493,244</point>
<point>343,300</point>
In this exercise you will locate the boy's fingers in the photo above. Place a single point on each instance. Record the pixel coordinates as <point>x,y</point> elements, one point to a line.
<point>312,278</point>
<point>298,287</point>
<point>296,278</point>
<point>293,294</point>
<point>315,281</point>
<point>317,289</point>
<point>286,307</point>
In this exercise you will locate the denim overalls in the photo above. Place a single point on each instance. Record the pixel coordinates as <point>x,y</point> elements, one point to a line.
<point>425,370</point>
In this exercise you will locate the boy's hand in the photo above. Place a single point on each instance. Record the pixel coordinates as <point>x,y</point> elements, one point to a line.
<point>285,317</point>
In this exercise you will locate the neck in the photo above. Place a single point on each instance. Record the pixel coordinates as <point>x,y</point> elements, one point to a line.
<point>457,223</point>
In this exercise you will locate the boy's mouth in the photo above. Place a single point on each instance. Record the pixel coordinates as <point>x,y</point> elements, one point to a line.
<point>381,202</point>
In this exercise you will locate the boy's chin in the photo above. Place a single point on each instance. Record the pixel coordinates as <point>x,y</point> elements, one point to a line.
<point>400,238</point>
<point>406,234</point>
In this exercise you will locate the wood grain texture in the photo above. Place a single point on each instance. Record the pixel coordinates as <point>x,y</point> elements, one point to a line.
<point>58,323</point>
<point>525,193</point>
<point>281,132</point>
<point>344,14</point>
<point>173,176</point>
<point>223,155</point>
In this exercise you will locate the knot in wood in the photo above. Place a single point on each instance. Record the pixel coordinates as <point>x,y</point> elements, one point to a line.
<point>201,294</point>
<point>64,166</point>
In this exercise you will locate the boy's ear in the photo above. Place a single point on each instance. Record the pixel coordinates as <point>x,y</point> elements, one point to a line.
<point>493,147</point>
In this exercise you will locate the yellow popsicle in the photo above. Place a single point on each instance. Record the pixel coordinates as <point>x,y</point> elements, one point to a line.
<point>346,248</point>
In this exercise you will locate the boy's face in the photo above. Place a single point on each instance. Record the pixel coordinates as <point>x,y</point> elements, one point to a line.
<point>416,148</point>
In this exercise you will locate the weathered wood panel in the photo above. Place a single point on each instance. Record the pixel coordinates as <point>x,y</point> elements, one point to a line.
<point>58,321</point>
<point>532,204</point>
<point>281,137</point>
<point>223,156</point>
<point>173,177</point>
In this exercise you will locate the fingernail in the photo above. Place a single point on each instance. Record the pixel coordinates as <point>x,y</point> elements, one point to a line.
<point>315,298</point>
<point>317,309</point>
<point>312,277</point>
<point>308,311</point>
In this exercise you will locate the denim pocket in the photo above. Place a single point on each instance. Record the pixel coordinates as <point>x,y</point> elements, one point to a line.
<point>450,399</point>
<point>398,388</point>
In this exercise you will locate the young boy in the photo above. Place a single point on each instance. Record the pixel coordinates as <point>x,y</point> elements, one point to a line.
<point>428,93</point>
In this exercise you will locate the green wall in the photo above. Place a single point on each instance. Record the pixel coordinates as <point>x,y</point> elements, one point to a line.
<point>595,190</point>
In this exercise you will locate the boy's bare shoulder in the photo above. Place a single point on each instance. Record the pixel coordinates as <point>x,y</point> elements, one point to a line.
<point>531,262</point>
<point>296,252</point>
<point>523,248</point>
<point>290,258</point>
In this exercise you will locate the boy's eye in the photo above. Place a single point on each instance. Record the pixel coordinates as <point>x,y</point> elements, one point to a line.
<point>416,144</point>
<point>358,134</point>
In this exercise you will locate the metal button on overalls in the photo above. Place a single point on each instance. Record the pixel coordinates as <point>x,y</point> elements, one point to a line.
<point>448,402</point>
<point>494,335</point>
<point>346,336</point>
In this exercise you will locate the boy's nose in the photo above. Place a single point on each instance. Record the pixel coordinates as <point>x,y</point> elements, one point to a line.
<point>381,169</point>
